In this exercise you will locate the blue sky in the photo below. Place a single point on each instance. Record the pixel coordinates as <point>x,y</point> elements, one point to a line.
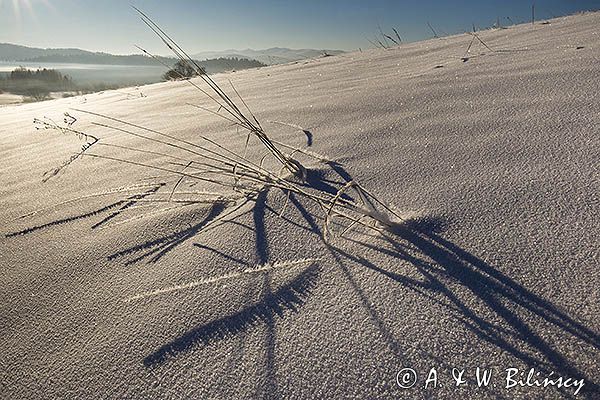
<point>112,26</point>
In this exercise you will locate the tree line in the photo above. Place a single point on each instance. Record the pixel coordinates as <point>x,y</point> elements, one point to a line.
<point>182,70</point>
<point>36,84</point>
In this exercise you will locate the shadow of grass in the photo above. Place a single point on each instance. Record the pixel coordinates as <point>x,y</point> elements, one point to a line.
<point>444,264</point>
<point>120,206</point>
<point>286,299</point>
<point>155,249</point>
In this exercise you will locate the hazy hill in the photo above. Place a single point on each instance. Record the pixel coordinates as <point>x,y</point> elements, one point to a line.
<point>17,53</point>
<point>99,58</point>
<point>275,55</point>
<point>14,52</point>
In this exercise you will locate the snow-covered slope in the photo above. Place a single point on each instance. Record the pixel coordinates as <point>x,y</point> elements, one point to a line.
<point>496,158</point>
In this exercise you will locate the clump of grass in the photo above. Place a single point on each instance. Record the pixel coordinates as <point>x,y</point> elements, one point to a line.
<point>236,176</point>
<point>386,40</point>
<point>90,140</point>
<point>475,37</point>
<point>234,113</point>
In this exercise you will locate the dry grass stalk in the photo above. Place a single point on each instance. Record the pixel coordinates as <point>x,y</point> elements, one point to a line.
<point>235,113</point>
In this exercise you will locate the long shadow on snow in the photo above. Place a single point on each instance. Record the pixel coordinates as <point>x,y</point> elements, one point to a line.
<point>119,206</point>
<point>441,263</point>
<point>286,299</point>
<point>155,249</point>
<point>273,305</point>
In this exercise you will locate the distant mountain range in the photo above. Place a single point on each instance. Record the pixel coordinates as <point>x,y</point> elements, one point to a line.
<point>274,55</point>
<point>16,53</point>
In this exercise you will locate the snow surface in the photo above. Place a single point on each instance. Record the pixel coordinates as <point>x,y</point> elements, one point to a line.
<point>496,158</point>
